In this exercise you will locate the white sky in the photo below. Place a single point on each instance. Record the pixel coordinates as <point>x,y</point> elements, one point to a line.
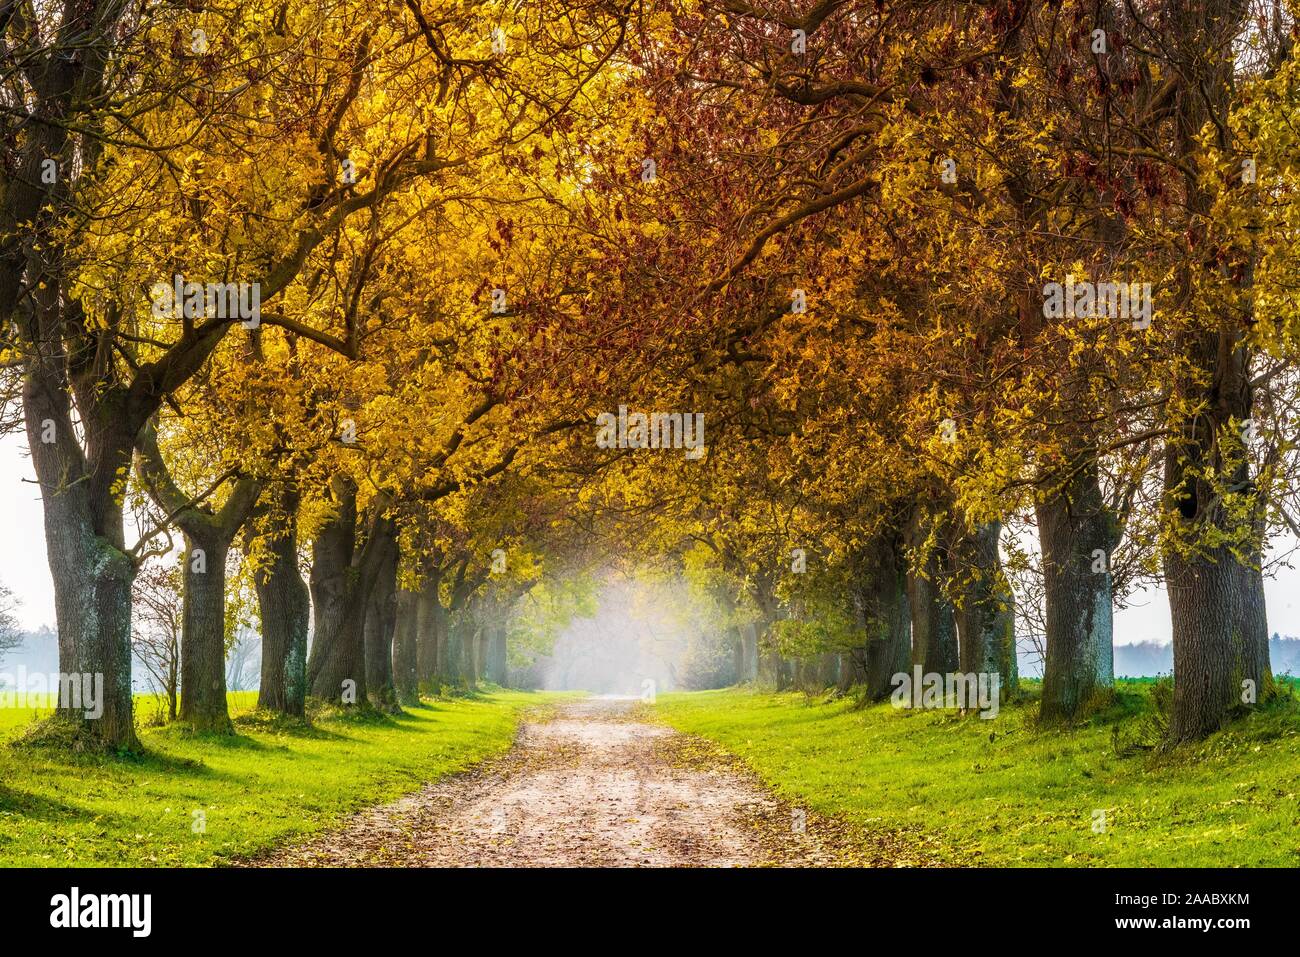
<point>24,569</point>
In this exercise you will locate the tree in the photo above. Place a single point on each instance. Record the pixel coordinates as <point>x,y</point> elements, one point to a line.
<point>156,636</point>
<point>10,635</point>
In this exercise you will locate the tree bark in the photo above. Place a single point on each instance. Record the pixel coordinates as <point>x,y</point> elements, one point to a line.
<point>888,618</point>
<point>934,627</point>
<point>406,674</point>
<point>1078,533</point>
<point>381,624</point>
<point>203,636</point>
<point>430,626</point>
<point>985,613</point>
<point>342,578</point>
<point>84,540</point>
<point>285,606</point>
<point>208,535</point>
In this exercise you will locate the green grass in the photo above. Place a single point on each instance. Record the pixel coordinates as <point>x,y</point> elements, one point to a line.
<point>270,783</point>
<point>1004,792</point>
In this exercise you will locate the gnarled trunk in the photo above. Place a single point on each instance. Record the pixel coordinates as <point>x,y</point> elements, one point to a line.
<point>91,572</point>
<point>92,592</point>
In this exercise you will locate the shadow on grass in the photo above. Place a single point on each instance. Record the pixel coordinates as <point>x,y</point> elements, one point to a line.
<point>183,733</point>
<point>37,807</point>
<point>54,751</point>
<point>275,723</point>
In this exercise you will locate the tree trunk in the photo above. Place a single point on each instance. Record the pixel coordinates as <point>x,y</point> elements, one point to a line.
<point>749,653</point>
<point>336,669</point>
<point>888,617</point>
<point>773,669</point>
<point>80,489</point>
<point>84,541</point>
<point>203,636</point>
<point>985,613</point>
<point>1077,532</point>
<point>852,668</point>
<point>1216,596</point>
<point>737,653</point>
<point>934,628</point>
<point>285,606</point>
<point>430,624</point>
<point>208,535</point>
<point>381,623</point>
<point>828,669</point>
<point>406,673</point>
<point>454,659</point>
<point>497,667</point>
<point>95,604</point>
<point>478,661</point>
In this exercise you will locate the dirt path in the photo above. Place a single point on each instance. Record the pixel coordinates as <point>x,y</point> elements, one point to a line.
<point>591,787</point>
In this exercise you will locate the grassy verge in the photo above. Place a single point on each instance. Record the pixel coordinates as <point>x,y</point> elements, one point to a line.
<point>272,782</point>
<point>1004,792</point>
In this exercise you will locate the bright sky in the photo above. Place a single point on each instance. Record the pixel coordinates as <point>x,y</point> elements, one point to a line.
<point>24,569</point>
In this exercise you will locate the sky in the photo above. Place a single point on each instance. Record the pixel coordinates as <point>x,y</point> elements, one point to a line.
<point>24,569</point>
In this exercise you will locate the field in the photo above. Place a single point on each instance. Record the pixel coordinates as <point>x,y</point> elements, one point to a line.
<point>203,800</point>
<point>1003,792</point>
